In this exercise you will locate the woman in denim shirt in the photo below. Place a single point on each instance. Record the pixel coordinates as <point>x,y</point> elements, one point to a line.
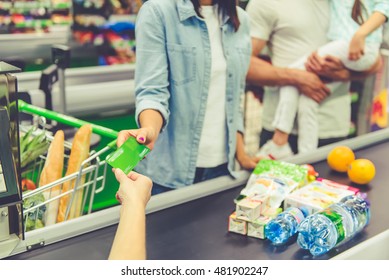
<point>192,59</point>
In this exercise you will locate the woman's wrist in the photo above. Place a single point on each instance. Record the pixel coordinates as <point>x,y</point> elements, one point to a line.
<point>133,207</point>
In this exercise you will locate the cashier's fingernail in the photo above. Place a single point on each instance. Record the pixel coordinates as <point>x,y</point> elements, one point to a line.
<point>141,139</point>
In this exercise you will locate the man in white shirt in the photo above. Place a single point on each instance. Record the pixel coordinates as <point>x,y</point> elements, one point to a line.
<point>292,29</point>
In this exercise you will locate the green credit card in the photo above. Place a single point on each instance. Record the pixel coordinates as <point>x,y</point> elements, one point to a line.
<point>128,155</point>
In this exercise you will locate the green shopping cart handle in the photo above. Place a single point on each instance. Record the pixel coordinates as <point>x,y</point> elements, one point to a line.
<point>101,130</point>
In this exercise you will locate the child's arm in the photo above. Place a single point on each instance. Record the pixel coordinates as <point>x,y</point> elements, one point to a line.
<point>357,44</point>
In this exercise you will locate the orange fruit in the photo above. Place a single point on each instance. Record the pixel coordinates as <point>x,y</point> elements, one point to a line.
<point>339,158</point>
<point>361,171</point>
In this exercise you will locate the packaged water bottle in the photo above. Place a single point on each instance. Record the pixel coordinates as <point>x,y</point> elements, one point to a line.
<point>284,226</point>
<point>334,225</point>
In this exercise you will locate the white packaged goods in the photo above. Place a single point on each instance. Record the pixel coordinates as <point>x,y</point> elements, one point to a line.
<point>316,196</point>
<point>257,228</point>
<point>237,226</point>
<point>250,208</point>
<point>275,179</point>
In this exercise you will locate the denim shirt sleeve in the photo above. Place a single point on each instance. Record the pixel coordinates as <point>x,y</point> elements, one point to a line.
<point>382,6</point>
<point>240,126</point>
<point>151,75</point>
<point>245,25</point>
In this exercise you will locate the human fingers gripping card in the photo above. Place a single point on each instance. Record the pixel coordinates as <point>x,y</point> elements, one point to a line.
<point>128,155</point>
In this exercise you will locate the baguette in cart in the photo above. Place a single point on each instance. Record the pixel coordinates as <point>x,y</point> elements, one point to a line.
<point>68,175</point>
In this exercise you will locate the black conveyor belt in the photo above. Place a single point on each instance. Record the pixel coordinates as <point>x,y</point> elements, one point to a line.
<point>198,229</point>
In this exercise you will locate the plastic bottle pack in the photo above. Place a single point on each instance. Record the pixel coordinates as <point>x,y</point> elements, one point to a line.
<point>284,226</point>
<point>326,229</point>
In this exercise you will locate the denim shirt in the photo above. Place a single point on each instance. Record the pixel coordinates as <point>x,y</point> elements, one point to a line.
<point>172,76</point>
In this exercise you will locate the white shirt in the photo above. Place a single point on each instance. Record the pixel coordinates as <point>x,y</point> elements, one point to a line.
<point>294,29</point>
<point>213,146</point>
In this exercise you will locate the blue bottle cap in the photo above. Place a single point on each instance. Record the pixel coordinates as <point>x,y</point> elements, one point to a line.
<point>304,210</point>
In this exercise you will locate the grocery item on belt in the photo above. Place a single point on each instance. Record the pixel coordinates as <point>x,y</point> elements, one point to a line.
<point>275,180</point>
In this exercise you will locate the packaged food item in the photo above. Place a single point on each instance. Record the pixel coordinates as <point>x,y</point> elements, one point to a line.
<point>237,225</point>
<point>257,228</point>
<point>275,180</point>
<point>260,200</point>
<point>251,207</point>
<point>272,212</point>
<point>318,195</point>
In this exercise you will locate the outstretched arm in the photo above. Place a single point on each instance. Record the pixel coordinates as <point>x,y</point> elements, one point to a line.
<point>262,73</point>
<point>357,44</point>
<point>133,194</point>
<point>246,162</point>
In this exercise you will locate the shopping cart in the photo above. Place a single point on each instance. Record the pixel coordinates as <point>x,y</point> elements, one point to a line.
<point>87,182</point>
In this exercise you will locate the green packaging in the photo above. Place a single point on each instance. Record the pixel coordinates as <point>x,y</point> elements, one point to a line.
<point>128,155</point>
<point>281,169</point>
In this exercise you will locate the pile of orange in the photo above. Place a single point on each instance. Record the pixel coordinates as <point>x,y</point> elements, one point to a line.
<point>342,159</point>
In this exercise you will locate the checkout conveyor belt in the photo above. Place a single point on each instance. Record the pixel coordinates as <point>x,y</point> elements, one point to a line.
<point>197,229</point>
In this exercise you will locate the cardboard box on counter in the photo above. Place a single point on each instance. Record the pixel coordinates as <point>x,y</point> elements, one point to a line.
<point>236,225</point>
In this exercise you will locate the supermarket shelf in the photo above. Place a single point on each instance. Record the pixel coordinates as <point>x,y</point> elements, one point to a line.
<point>89,90</point>
<point>78,76</point>
<point>87,99</point>
<point>32,46</point>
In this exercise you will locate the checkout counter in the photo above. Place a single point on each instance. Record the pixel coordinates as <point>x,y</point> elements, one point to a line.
<point>11,231</point>
<point>190,223</point>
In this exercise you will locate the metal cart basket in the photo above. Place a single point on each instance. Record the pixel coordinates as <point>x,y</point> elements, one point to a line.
<point>89,180</point>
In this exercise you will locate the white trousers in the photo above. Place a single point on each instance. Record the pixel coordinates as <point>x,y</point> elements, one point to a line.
<point>292,104</point>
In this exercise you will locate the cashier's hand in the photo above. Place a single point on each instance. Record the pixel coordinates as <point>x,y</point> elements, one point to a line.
<point>144,135</point>
<point>134,189</point>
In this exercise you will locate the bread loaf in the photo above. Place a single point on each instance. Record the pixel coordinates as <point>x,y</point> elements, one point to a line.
<point>79,152</point>
<point>52,171</point>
